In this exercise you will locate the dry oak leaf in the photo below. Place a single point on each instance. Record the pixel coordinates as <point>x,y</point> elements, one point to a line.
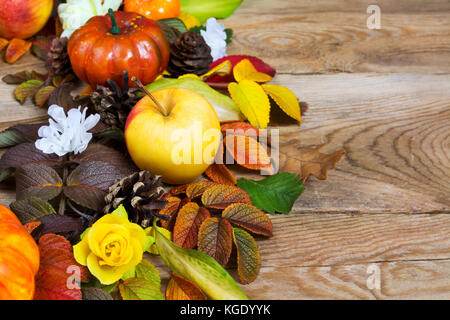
<point>56,267</point>
<point>187,225</point>
<point>215,238</point>
<point>249,217</point>
<point>248,256</point>
<point>16,49</point>
<point>196,189</point>
<point>219,173</point>
<point>179,288</point>
<point>221,196</point>
<point>306,161</point>
<point>248,152</point>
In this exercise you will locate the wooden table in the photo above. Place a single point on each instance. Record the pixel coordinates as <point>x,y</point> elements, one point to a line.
<point>382,95</point>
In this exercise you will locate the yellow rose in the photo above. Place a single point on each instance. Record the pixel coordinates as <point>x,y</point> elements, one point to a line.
<point>111,247</point>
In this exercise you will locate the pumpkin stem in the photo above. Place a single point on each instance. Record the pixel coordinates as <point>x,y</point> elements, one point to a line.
<point>143,88</point>
<point>115,29</point>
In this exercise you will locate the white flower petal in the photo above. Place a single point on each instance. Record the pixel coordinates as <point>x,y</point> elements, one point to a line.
<point>215,37</point>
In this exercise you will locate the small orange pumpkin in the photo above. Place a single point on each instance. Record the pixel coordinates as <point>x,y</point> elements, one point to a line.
<point>19,258</point>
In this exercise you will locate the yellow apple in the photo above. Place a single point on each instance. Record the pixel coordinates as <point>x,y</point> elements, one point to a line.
<point>177,137</point>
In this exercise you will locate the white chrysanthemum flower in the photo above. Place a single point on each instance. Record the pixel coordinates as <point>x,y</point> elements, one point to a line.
<point>75,13</point>
<point>215,37</point>
<point>66,134</point>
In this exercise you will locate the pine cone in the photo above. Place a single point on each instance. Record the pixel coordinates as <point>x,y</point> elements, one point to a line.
<point>58,57</point>
<point>189,53</point>
<point>140,194</point>
<point>114,103</point>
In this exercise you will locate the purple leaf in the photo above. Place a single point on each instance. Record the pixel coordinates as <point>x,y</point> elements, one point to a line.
<point>39,180</point>
<point>26,153</point>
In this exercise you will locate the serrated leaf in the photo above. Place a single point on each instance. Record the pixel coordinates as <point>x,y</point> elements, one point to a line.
<point>215,239</point>
<point>179,288</point>
<point>221,196</point>
<point>219,173</point>
<point>27,89</point>
<point>53,277</point>
<point>174,23</point>
<point>88,183</point>
<point>26,153</point>
<point>244,70</point>
<point>38,180</point>
<point>42,95</point>
<point>200,269</point>
<point>16,49</point>
<point>285,99</point>
<point>145,269</point>
<point>248,217</point>
<point>171,210</point>
<point>196,189</point>
<point>276,193</point>
<point>189,220</point>
<point>31,209</point>
<point>248,152</point>
<point>92,293</point>
<point>252,101</point>
<point>248,256</point>
<point>225,107</point>
<point>140,289</point>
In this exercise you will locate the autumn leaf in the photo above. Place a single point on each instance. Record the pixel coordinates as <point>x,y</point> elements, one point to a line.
<point>37,180</point>
<point>27,89</point>
<point>285,99</point>
<point>215,239</point>
<point>140,289</point>
<point>245,70</point>
<point>219,173</point>
<point>248,256</point>
<point>3,43</point>
<point>189,220</point>
<point>306,161</point>
<point>42,95</point>
<point>252,100</point>
<point>248,217</point>
<point>221,196</point>
<point>171,210</point>
<point>276,193</point>
<point>31,226</point>
<point>56,266</point>
<point>196,189</point>
<point>248,152</point>
<point>239,127</point>
<point>179,288</point>
<point>16,49</point>
<point>178,189</point>
<point>31,208</point>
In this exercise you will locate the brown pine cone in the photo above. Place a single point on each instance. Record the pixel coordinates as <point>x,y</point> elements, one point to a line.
<point>140,194</point>
<point>189,53</point>
<point>58,57</point>
<point>114,103</point>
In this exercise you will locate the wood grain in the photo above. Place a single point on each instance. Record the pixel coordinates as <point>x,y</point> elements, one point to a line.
<point>332,36</point>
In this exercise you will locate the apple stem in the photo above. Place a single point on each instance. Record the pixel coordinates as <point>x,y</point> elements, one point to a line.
<point>114,29</point>
<point>148,93</point>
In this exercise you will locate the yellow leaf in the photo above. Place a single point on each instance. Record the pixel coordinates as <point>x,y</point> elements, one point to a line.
<point>245,70</point>
<point>222,69</point>
<point>285,99</point>
<point>252,100</point>
<point>189,20</point>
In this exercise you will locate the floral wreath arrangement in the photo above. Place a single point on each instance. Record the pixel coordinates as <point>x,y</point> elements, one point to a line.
<point>97,185</point>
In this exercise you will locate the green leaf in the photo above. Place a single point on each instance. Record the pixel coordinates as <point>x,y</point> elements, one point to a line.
<point>18,78</point>
<point>92,293</point>
<point>11,137</point>
<point>129,274</point>
<point>31,209</point>
<point>224,106</point>
<point>199,268</point>
<point>5,173</point>
<point>174,23</point>
<point>140,289</point>
<point>204,9</point>
<point>248,256</point>
<point>145,269</point>
<point>121,212</point>
<point>276,193</point>
<point>26,89</point>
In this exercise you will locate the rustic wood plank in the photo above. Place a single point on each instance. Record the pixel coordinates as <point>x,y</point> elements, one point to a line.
<point>330,36</point>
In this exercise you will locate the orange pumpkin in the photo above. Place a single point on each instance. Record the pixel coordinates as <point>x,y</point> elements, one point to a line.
<point>19,258</point>
<point>107,45</point>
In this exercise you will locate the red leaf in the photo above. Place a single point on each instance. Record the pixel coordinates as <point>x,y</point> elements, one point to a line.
<point>219,173</point>
<point>189,220</point>
<point>30,226</point>
<point>55,270</point>
<point>222,81</point>
<point>179,288</point>
<point>171,210</point>
<point>221,196</point>
<point>16,49</point>
<point>215,238</point>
